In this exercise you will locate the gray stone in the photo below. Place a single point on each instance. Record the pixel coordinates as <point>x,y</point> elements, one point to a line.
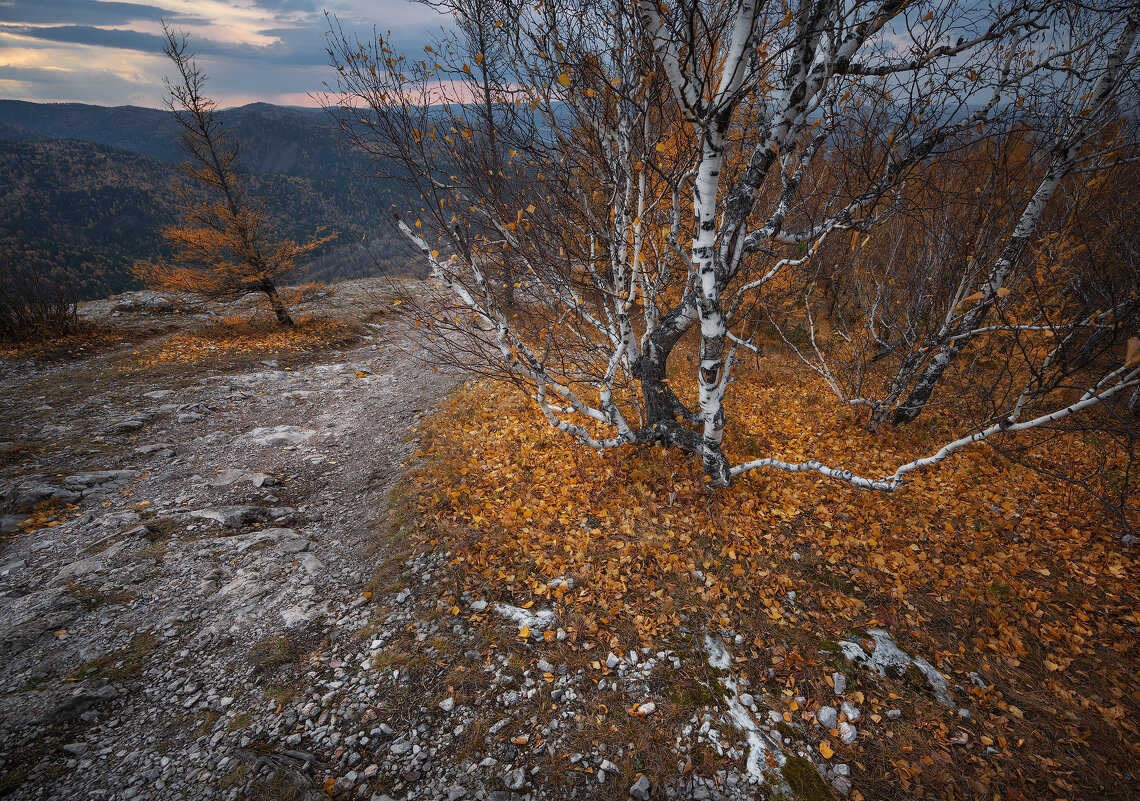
<point>76,570</point>
<point>827,717</point>
<point>127,425</point>
<point>847,733</point>
<point>8,568</point>
<point>515,779</point>
<point>311,564</point>
<point>233,516</point>
<point>233,476</point>
<point>640,789</point>
<point>400,747</point>
<point>851,711</point>
<point>28,494</point>
<point>81,702</point>
<point>35,614</point>
<point>840,682</point>
<point>254,379</point>
<point>157,449</point>
<point>279,436</point>
<point>92,478</point>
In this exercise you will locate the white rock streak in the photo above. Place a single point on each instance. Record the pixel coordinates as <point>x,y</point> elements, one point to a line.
<point>762,752</point>
<point>889,659</point>
<point>535,620</point>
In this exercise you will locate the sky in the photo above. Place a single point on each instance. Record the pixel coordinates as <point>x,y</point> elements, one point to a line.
<point>110,53</point>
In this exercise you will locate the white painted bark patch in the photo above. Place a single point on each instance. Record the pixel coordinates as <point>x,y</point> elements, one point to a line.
<point>535,620</point>
<point>762,752</point>
<point>890,660</point>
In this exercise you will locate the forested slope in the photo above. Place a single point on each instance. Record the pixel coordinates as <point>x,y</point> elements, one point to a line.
<point>88,210</point>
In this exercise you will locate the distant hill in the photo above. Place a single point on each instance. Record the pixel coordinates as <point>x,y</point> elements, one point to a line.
<point>87,189</point>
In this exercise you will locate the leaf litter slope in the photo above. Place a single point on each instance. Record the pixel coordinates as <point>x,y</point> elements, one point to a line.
<point>1015,587</point>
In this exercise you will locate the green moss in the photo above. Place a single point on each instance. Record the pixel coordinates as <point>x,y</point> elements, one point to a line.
<point>915,681</point>
<point>696,695</point>
<point>788,731</point>
<point>805,780</point>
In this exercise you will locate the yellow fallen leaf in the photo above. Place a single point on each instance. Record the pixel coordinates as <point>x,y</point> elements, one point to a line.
<point>826,749</point>
<point>524,632</point>
<point>1132,357</point>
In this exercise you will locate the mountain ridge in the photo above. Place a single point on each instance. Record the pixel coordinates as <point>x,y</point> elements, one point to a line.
<point>73,171</point>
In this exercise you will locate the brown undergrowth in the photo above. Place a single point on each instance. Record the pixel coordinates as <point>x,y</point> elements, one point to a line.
<point>978,565</point>
<point>241,340</point>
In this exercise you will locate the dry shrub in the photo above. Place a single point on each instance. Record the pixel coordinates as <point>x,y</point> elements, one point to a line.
<point>34,304</point>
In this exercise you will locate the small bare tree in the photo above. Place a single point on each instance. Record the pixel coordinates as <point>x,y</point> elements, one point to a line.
<point>222,250</point>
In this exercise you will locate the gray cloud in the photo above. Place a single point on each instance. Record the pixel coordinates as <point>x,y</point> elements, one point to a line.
<point>80,12</point>
<point>88,35</point>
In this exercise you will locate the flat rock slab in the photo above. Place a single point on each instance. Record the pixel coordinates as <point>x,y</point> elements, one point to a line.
<point>93,478</point>
<point>128,425</point>
<point>27,494</point>
<point>258,378</point>
<point>283,540</point>
<point>79,703</point>
<point>233,476</point>
<point>280,435</point>
<point>234,516</point>
<point>76,570</point>
<point>35,614</point>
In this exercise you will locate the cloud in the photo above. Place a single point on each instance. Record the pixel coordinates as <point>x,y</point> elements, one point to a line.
<point>80,12</point>
<point>87,35</point>
<point>250,49</point>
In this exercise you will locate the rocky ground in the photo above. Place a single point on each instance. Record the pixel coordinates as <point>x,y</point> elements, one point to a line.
<point>204,594</point>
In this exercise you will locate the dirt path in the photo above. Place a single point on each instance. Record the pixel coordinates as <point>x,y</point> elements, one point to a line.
<point>217,529</point>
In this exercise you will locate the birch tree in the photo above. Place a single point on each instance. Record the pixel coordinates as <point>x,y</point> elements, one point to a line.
<point>663,163</point>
